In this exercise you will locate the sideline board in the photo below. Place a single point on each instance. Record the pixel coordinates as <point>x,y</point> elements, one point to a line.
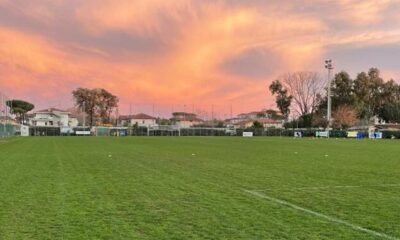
<point>375,135</point>
<point>298,134</point>
<point>322,134</point>
<point>83,133</point>
<point>352,134</point>
<point>24,131</point>
<point>247,134</point>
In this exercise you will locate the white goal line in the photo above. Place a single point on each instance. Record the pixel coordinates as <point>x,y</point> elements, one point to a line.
<point>320,215</point>
<point>329,187</point>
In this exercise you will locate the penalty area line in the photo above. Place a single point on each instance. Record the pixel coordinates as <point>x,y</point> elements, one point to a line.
<point>329,187</point>
<point>320,215</point>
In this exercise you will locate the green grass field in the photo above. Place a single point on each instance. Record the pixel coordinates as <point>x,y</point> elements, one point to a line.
<point>199,188</point>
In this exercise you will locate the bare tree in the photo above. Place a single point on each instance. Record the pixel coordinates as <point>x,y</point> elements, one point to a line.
<point>95,102</point>
<point>344,117</point>
<point>305,88</point>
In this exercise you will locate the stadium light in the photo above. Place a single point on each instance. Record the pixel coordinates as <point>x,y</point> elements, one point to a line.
<point>330,67</point>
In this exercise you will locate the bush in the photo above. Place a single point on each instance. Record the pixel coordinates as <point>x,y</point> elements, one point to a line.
<point>390,134</point>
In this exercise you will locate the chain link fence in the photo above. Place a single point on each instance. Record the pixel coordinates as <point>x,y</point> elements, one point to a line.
<point>7,124</point>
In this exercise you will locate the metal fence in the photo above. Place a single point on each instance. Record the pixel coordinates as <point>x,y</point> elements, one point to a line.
<point>7,130</point>
<point>7,127</point>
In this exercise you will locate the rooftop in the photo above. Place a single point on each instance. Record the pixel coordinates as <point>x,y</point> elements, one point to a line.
<point>137,116</point>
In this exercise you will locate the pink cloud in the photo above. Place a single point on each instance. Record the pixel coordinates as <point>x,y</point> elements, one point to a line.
<point>187,44</point>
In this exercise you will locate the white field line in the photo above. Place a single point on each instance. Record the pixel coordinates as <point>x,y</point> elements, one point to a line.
<point>320,215</point>
<point>328,187</point>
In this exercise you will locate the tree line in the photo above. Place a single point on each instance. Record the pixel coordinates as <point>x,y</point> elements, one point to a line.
<point>97,103</point>
<point>303,94</point>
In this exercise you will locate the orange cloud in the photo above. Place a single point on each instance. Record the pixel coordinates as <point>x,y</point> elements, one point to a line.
<point>177,51</point>
<point>363,12</point>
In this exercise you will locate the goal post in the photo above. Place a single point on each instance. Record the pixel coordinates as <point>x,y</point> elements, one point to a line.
<point>163,130</point>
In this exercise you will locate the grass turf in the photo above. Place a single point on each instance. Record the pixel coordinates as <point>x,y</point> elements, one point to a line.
<point>155,188</point>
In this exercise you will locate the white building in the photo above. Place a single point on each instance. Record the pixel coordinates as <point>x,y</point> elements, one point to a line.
<point>185,120</point>
<point>141,119</point>
<point>252,115</point>
<point>53,117</point>
<point>265,122</point>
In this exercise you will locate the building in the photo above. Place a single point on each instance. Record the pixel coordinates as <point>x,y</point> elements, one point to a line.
<point>52,117</point>
<point>265,122</point>
<point>232,121</point>
<point>7,120</point>
<point>252,115</point>
<point>185,120</point>
<point>141,119</point>
<point>270,123</point>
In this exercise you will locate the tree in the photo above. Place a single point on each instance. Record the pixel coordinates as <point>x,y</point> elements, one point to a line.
<point>319,120</point>
<point>164,121</point>
<point>283,100</point>
<point>303,121</point>
<point>86,100</point>
<point>257,125</point>
<point>344,117</point>
<point>391,112</point>
<point>368,88</point>
<point>304,88</point>
<point>274,115</point>
<point>342,90</point>
<point>342,93</point>
<point>95,102</point>
<point>20,108</point>
<point>106,103</point>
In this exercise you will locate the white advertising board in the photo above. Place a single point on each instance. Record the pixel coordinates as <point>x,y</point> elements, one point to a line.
<point>82,133</point>
<point>247,134</point>
<point>322,134</point>
<point>24,131</point>
<point>375,135</point>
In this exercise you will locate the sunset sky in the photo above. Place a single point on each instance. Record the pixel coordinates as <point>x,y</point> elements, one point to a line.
<point>187,54</point>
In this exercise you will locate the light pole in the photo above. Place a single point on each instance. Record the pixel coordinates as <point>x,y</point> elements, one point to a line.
<point>329,66</point>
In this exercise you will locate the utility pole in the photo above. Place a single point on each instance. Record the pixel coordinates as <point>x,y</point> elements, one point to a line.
<point>4,123</point>
<point>330,67</point>
<point>84,115</point>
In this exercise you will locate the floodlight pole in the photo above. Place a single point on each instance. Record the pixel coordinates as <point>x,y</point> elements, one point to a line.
<point>84,115</point>
<point>329,66</point>
<point>4,123</point>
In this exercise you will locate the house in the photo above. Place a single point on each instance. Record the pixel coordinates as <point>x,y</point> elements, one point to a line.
<point>251,115</point>
<point>232,121</point>
<point>52,117</point>
<point>185,120</point>
<point>7,120</point>
<point>141,119</point>
<point>388,126</point>
<point>270,123</point>
<point>265,122</point>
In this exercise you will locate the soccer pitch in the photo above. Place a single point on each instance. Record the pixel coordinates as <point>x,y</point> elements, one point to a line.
<point>199,188</point>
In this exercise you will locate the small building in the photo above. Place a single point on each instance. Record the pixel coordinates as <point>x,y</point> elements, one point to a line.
<point>388,127</point>
<point>252,115</point>
<point>270,123</point>
<point>52,117</point>
<point>265,122</point>
<point>141,119</point>
<point>7,120</point>
<point>232,121</point>
<point>185,120</point>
